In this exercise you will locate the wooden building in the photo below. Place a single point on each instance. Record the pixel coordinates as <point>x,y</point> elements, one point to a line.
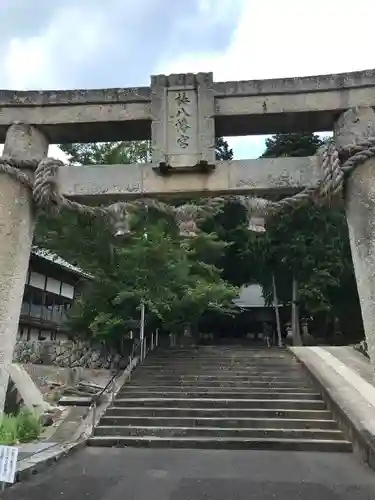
<point>50,289</point>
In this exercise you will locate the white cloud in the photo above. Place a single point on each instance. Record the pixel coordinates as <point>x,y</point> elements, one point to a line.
<point>30,62</point>
<point>89,43</point>
<point>291,38</point>
<point>276,39</point>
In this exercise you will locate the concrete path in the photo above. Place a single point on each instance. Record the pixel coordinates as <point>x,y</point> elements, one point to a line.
<point>142,474</point>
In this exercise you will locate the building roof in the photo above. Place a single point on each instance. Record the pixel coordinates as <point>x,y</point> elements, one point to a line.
<point>250,296</point>
<point>49,256</point>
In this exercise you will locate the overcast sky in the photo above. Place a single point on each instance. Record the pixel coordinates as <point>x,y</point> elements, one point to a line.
<point>119,43</point>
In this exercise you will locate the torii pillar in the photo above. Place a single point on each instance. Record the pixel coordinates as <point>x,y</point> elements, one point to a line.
<point>17,219</point>
<point>353,126</point>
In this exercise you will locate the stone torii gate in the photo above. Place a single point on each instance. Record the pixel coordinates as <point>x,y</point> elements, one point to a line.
<point>182,114</point>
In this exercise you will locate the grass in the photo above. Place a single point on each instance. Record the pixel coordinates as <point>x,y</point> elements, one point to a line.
<point>21,428</point>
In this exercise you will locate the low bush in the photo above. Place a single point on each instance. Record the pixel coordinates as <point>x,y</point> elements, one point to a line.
<point>20,428</point>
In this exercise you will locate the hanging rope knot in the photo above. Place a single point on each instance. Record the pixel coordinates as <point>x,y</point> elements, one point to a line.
<point>335,167</point>
<point>45,188</point>
<point>189,215</point>
<point>356,154</point>
<point>332,176</point>
<point>337,164</point>
<point>120,217</point>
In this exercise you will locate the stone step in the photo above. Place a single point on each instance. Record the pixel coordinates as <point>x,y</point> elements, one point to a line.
<point>244,358</point>
<point>302,404</point>
<point>257,423</point>
<point>247,362</point>
<point>219,432</point>
<point>277,412</point>
<point>221,381</point>
<point>223,443</point>
<point>173,394</point>
<point>130,389</point>
<point>220,360</point>
<point>220,398</point>
<point>202,352</point>
<point>222,377</point>
<point>247,357</point>
<point>226,383</point>
<point>220,371</point>
<point>221,364</point>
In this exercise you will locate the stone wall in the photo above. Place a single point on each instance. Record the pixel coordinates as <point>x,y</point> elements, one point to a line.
<point>66,354</point>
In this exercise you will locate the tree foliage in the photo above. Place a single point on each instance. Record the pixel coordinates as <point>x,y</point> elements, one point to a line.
<point>177,279</point>
<point>222,150</point>
<point>107,153</point>
<point>296,144</point>
<point>310,243</point>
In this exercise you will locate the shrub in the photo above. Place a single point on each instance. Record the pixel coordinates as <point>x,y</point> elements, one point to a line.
<point>20,428</point>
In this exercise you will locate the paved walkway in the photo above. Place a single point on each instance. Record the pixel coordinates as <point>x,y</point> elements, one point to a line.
<point>141,474</point>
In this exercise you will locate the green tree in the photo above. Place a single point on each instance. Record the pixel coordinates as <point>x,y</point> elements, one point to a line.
<point>296,144</point>
<point>176,279</point>
<point>122,152</point>
<point>309,243</point>
<point>107,153</point>
<point>222,150</point>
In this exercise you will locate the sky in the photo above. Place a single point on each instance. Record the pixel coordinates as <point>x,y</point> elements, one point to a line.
<point>120,43</point>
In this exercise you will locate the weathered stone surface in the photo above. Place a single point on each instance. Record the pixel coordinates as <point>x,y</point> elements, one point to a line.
<point>16,232</point>
<point>346,379</point>
<point>267,175</point>
<point>288,104</point>
<point>65,354</point>
<point>78,96</point>
<point>170,387</point>
<point>183,132</point>
<point>352,126</point>
<point>27,389</point>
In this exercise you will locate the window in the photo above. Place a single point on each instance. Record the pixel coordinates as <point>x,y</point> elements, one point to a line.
<point>37,301</point>
<point>37,280</point>
<point>67,290</point>
<point>53,285</point>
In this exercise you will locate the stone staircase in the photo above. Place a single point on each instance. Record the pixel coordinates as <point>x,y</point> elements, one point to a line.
<point>220,398</point>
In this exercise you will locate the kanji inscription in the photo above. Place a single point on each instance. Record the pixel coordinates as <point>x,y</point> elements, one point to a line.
<point>182,119</point>
<point>182,127</point>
